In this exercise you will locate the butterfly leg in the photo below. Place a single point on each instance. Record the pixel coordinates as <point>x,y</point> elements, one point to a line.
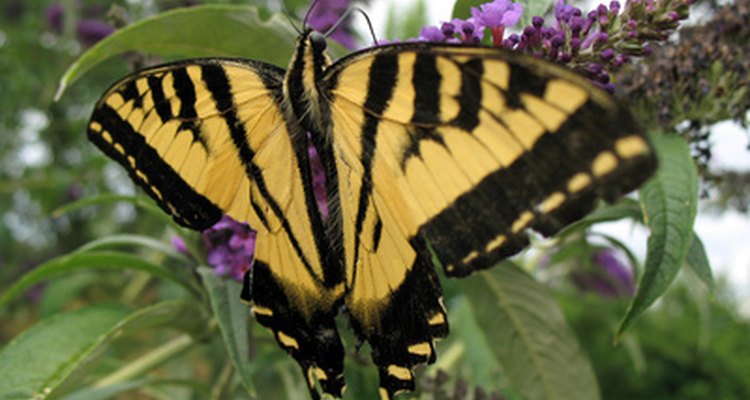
<point>313,342</point>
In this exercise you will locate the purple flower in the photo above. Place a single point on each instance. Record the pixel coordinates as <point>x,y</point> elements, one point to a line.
<point>90,31</point>
<point>563,12</point>
<point>179,244</point>
<point>54,16</point>
<point>470,30</point>
<point>497,16</point>
<point>434,34</point>
<point>608,276</point>
<point>230,246</point>
<point>498,13</point>
<point>326,13</point>
<point>319,181</point>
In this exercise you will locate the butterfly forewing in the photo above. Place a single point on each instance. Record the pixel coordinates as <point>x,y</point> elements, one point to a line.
<point>209,137</point>
<point>480,145</point>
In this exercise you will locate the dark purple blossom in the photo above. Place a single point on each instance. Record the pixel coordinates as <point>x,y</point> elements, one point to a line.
<point>54,16</point>
<point>230,246</point>
<point>607,35</point>
<point>324,14</point>
<point>319,181</point>
<point>470,31</point>
<point>608,276</point>
<point>90,31</point>
<point>564,12</point>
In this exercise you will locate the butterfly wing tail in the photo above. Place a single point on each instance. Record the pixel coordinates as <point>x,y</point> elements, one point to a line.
<point>402,332</point>
<point>312,341</point>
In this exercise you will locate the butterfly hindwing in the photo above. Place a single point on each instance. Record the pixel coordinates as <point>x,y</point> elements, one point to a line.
<point>209,137</point>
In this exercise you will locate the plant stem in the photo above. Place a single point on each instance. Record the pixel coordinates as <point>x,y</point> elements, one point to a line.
<point>149,361</point>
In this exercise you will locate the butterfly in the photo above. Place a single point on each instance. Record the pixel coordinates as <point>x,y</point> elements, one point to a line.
<point>427,149</point>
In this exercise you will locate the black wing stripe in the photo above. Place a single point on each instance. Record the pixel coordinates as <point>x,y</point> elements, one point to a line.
<point>162,105</point>
<point>381,82</point>
<point>470,97</point>
<point>173,195</point>
<point>218,84</point>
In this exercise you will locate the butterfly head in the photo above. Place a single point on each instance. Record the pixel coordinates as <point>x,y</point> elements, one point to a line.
<point>305,71</point>
<point>311,51</point>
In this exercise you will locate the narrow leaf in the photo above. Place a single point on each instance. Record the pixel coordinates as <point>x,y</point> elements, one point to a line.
<point>38,361</point>
<point>532,8</point>
<point>697,261</point>
<point>625,208</point>
<point>200,31</point>
<point>127,240</point>
<point>232,316</point>
<point>86,260</point>
<point>529,336</point>
<point>670,205</point>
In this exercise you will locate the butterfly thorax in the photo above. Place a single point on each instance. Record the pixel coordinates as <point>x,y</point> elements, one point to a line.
<point>306,69</point>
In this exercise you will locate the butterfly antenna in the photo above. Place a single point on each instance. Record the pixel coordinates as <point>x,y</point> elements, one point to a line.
<point>309,11</point>
<point>289,18</point>
<point>346,15</point>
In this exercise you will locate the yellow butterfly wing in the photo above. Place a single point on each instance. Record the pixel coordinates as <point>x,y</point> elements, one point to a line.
<point>210,137</point>
<point>465,148</point>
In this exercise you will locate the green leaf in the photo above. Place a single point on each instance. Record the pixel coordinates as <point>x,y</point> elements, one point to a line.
<point>201,31</point>
<point>529,335</point>
<point>39,360</point>
<point>670,204</point>
<point>406,22</point>
<point>127,240</point>
<point>108,392</point>
<point>484,367</point>
<point>94,259</point>
<point>232,315</point>
<point>532,8</point>
<point>625,208</point>
<point>697,261</point>
<point>462,8</point>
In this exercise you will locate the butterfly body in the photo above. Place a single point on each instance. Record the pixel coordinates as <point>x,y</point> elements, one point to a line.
<point>425,148</point>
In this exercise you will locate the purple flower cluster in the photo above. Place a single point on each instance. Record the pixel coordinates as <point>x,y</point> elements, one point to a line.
<point>89,27</point>
<point>607,276</point>
<point>601,41</point>
<point>595,44</point>
<point>230,246</point>
<point>495,16</point>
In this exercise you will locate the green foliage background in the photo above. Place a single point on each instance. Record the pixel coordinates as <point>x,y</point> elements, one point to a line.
<point>95,303</point>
